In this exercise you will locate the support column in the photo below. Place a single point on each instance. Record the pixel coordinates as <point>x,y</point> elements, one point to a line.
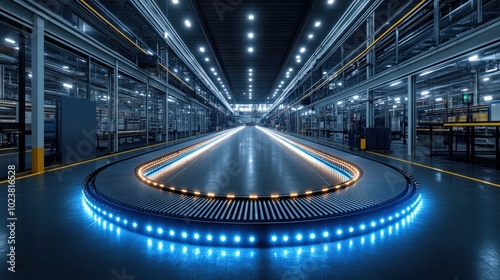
<point>2,85</point>
<point>147,112</point>
<point>370,110</point>
<point>412,115</point>
<point>165,116</point>
<point>437,37</point>
<point>115,113</point>
<point>479,11</point>
<point>37,96</point>
<point>475,89</point>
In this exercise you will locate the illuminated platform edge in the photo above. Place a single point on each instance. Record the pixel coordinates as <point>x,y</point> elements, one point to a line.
<point>248,233</point>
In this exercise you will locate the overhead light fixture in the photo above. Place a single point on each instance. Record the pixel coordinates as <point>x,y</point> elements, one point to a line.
<point>439,99</point>
<point>317,24</point>
<point>299,61</point>
<point>212,69</point>
<point>251,17</point>
<point>426,92</point>
<point>187,23</point>
<point>250,70</point>
<point>473,58</point>
<point>310,36</point>
<point>486,79</point>
<point>250,79</point>
<point>175,1</point>
<point>330,2</point>
<point>202,49</point>
<point>297,57</point>
<point>250,49</point>
<point>165,35</point>
<point>488,98</point>
<point>356,97</point>
<point>69,86</point>
<point>207,59</point>
<point>8,40</point>
<point>395,84</point>
<point>250,35</point>
<point>218,79</point>
<point>187,79</point>
<point>290,70</point>
<point>425,73</point>
<point>302,50</point>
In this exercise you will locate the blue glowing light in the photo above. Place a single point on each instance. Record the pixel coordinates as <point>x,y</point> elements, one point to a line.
<point>382,221</point>
<point>285,238</point>
<point>184,235</point>
<point>373,224</point>
<point>252,239</point>
<point>339,232</point>
<point>125,221</point>
<point>223,238</point>
<point>362,227</point>
<point>237,238</point>
<point>104,212</point>
<point>325,234</point>
<point>196,236</point>
<point>149,228</point>
<point>160,231</point>
<point>274,238</point>
<point>351,229</point>
<point>209,237</point>
<point>117,219</point>
<point>111,215</point>
<point>390,218</point>
<point>299,237</point>
<point>172,233</point>
<point>312,235</point>
<point>134,225</point>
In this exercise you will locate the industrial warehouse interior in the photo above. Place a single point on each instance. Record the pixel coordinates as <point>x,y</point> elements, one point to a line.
<point>250,139</point>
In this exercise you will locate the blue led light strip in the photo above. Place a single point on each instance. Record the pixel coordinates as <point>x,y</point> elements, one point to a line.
<point>219,237</point>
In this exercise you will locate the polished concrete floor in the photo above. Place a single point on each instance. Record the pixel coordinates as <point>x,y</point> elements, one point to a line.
<point>454,235</point>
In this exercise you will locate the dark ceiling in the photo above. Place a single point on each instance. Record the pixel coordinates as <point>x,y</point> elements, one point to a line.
<point>280,28</point>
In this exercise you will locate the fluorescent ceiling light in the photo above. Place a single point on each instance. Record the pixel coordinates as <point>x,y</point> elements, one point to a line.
<point>439,99</point>
<point>250,35</point>
<point>207,59</point>
<point>251,17</point>
<point>395,84</point>
<point>250,49</point>
<point>425,92</point>
<point>202,49</point>
<point>67,85</point>
<point>187,23</point>
<point>8,40</point>
<point>175,1</point>
<point>310,36</point>
<point>330,2</point>
<point>486,79</point>
<point>317,24</point>
<point>488,98</point>
<point>302,50</point>
<point>474,58</point>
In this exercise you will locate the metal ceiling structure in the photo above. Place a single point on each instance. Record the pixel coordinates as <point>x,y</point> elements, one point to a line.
<point>221,34</point>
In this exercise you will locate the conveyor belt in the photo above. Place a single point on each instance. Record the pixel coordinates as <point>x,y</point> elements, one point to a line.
<point>115,187</point>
